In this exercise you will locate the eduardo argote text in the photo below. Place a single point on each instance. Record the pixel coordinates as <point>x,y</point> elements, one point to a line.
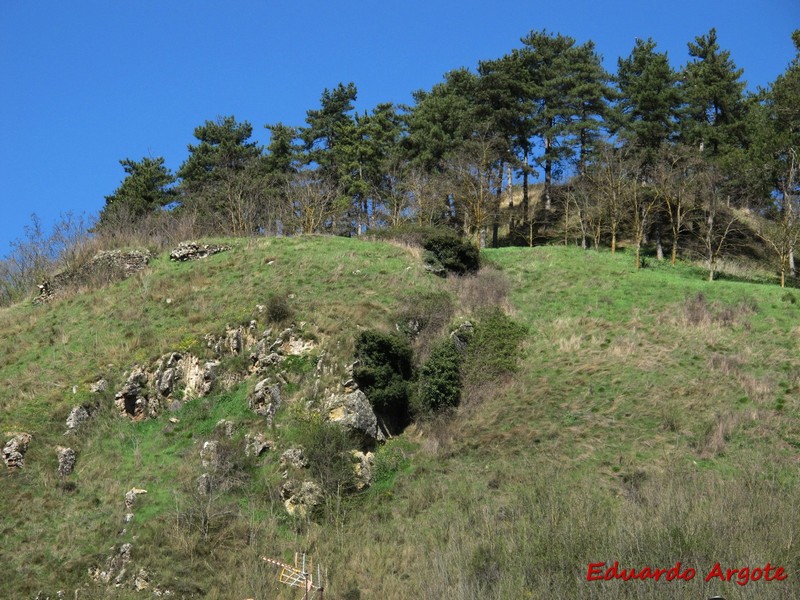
<point>601,571</point>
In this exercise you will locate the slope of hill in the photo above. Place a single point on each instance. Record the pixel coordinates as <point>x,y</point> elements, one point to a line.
<point>652,419</point>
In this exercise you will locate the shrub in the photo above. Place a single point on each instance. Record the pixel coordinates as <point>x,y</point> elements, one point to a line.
<point>383,373</point>
<point>278,309</point>
<point>450,252</point>
<point>327,448</point>
<point>445,251</point>
<point>439,384</point>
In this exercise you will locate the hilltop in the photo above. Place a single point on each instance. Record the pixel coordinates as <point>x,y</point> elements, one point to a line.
<point>648,417</point>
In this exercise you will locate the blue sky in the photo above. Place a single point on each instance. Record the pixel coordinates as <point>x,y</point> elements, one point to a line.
<point>89,82</point>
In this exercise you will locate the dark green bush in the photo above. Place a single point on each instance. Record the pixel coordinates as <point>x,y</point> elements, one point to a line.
<point>439,383</point>
<point>383,373</point>
<point>451,252</point>
<point>278,309</point>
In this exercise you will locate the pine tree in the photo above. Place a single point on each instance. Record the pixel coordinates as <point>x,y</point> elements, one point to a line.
<point>546,61</point>
<point>223,147</point>
<point>712,118</point>
<point>146,189</point>
<point>646,114</point>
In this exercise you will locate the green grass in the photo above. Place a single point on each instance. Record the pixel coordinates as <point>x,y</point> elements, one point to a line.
<point>652,417</point>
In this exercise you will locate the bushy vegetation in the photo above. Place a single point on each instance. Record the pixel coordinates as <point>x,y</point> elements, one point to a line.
<point>277,308</point>
<point>383,372</point>
<point>446,253</point>
<point>439,383</point>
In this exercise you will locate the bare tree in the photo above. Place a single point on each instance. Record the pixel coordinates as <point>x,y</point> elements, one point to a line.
<point>610,178</point>
<point>476,172</point>
<point>719,222</point>
<point>425,195</point>
<point>782,231</point>
<point>642,203</point>
<point>315,202</point>
<point>588,213</point>
<point>675,180</point>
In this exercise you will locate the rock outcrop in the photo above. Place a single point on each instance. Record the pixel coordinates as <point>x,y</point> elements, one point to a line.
<point>225,427</point>
<point>105,267</point>
<point>293,458</point>
<point>363,465</point>
<point>194,251</point>
<point>15,449</point>
<point>77,416</point>
<point>130,497</point>
<point>132,399</point>
<point>210,454</point>
<point>265,399</point>
<point>300,498</point>
<point>257,444</point>
<point>354,412</point>
<point>176,376</point>
<point>115,568</point>
<point>66,461</point>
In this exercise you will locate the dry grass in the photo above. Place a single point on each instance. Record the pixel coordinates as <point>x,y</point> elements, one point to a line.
<point>487,288</point>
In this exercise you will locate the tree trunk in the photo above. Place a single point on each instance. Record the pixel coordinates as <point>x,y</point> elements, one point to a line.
<point>659,248</point>
<point>525,191</point>
<point>548,173</point>
<point>674,251</point>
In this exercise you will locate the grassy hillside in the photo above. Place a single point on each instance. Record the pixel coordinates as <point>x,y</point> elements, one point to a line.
<point>653,418</point>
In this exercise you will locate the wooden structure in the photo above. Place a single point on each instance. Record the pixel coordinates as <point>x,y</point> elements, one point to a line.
<point>301,575</point>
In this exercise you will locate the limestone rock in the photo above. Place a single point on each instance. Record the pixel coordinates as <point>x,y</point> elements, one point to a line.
<point>141,581</point>
<point>131,495</point>
<point>354,412</point>
<point>105,267</point>
<point>462,336</point>
<point>226,427</point>
<point>200,381</point>
<point>115,567</point>
<point>66,461</point>
<point>265,399</point>
<point>77,416</point>
<point>209,454</point>
<point>293,458</point>
<point>194,251</point>
<point>15,449</point>
<point>301,498</point>
<point>234,341</point>
<point>132,399</point>
<point>256,445</point>
<point>262,357</point>
<point>363,465</point>
<point>296,346</point>
<point>98,386</point>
